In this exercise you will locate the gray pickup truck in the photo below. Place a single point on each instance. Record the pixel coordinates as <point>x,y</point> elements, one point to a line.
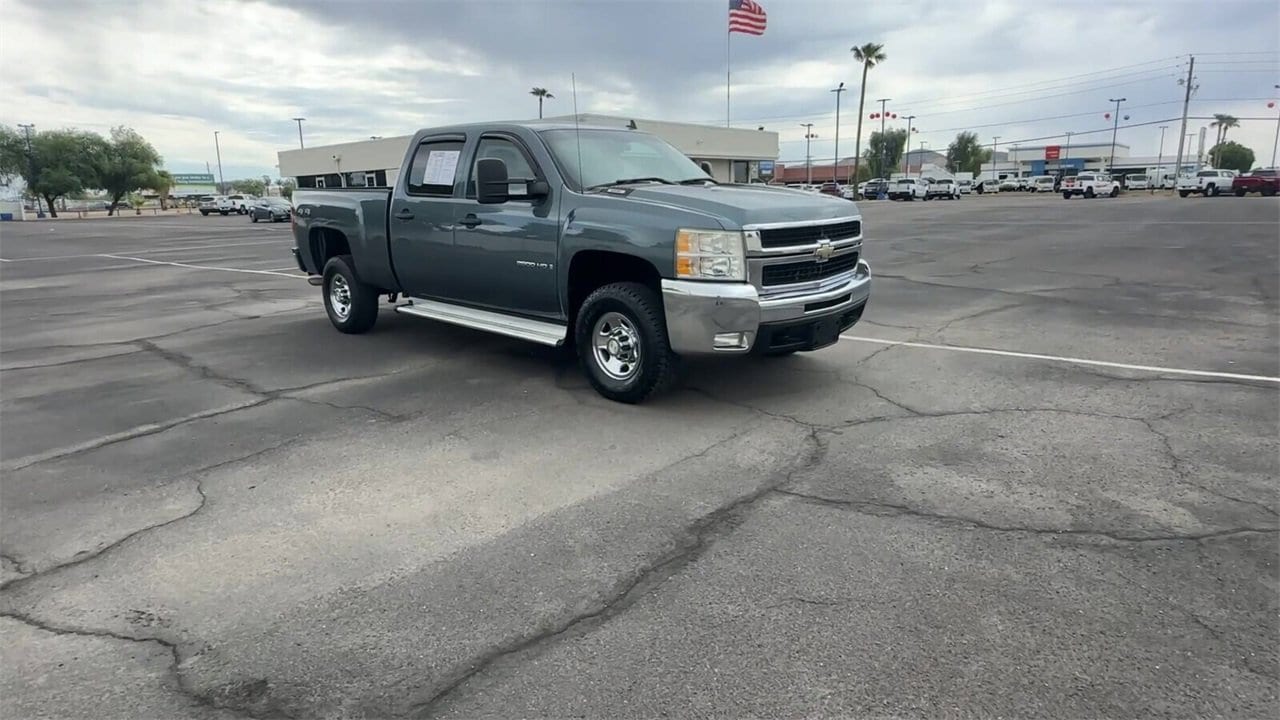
<point>607,239</point>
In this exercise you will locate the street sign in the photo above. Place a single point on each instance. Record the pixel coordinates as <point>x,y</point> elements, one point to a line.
<point>1052,152</point>
<point>193,179</point>
<point>766,167</point>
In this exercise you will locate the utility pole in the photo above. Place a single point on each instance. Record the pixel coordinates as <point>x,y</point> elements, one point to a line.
<point>222,185</point>
<point>1115,125</point>
<point>906,155</point>
<point>1275,143</point>
<point>883,142</point>
<point>995,145</point>
<point>923,144</point>
<point>299,121</point>
<point>808,159</point>
<point>1160,161</point>
<point>1186,102</point>
<point>835,167</point>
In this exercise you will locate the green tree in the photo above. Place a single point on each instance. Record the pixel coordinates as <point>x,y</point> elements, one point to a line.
<point>1232,156</point>
<point>13,153</point>
<point>63,163</point>
<point>541,94</point>
<point>966,154</point>
<point>1223,123</point>
<point>884,151</point>
<point>126,162</point>
<point>250,186</point>
<point>286,188</point>
<point>162,186</point>
<point>870,55</point>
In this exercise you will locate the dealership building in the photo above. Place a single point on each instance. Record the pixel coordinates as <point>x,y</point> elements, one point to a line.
<point>731,154</point>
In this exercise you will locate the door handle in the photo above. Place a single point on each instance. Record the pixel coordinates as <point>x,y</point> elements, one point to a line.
<point>470,220</point>
<point>404,214</point>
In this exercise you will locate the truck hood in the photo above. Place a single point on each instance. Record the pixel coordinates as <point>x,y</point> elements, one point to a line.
<point>738,205</point>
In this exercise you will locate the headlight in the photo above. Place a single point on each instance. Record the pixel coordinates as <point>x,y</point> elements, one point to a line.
<point>710,255</point>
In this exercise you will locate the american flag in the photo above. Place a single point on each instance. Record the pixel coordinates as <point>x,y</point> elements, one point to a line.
<point>746,16</point>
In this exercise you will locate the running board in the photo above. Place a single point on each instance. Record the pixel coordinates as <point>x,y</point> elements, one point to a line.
<point>539,331</point>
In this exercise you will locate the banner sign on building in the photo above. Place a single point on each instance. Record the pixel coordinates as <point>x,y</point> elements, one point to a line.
<point>193,179</point>
<point>1052,152</point>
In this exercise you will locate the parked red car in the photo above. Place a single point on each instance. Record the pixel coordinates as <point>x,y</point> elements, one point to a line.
<point>1264,181</point>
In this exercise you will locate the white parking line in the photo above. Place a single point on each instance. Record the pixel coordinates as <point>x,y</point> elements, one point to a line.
<point>1070,360</point>
<point>204,267</point>
<point>180,248</point>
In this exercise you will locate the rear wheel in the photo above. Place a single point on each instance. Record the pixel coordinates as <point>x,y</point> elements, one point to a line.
<point>1211,191</point>
<point>1268,190</point>
<point>1241,192</point>
<point>1183,193</point>
<point>1088,192</point>
<point>204,213</point>
<point>1066,195</point>
<point>352,306</point>
<point>621,334</point>
<point>1115,192</point>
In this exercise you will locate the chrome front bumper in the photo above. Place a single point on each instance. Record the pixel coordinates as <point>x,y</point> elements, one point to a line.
<point>707,317</point>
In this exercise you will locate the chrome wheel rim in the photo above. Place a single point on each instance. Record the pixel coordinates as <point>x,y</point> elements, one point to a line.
<point>340,297</point>
<point>616,345</point>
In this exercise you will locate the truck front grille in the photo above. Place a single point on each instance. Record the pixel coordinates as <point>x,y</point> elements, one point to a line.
<point>807,270</point>
<point>809,234</point>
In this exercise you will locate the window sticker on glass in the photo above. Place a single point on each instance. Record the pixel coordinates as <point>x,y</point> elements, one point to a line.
<point>441,165</point>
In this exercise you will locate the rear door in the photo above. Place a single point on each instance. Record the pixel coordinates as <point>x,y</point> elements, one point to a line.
<point>507,252</point>
<point>421,217</point>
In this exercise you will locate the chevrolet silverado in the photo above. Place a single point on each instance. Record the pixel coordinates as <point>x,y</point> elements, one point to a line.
<point>606,239</point>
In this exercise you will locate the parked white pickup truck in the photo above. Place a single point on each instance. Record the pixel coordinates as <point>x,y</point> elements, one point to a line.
<point>1208,183</point>
<point>942,188</point>
<point>908,189</point>
<point>1089,185</point>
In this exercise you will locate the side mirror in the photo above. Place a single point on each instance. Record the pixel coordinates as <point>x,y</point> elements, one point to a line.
<point>539,189</point>
<point>491,181</point>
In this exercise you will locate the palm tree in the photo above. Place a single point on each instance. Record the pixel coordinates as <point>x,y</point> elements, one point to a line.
<point>541,94</point>
<point>1223,123</point>
<point>869,55</point>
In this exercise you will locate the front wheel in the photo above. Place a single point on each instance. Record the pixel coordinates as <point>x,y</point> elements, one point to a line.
<point>352,305</point>
<point>1268,190</point>
<point>621,335</point>
<point>1115,192</point>
<point>1240,192</point>
<point>253,217</point>
<point>1088,192</point>
<point>1066,196</point>
<point>205,213</point>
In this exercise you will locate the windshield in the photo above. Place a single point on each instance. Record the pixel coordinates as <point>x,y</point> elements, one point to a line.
<point>608,156</point>
<point>278,201</point>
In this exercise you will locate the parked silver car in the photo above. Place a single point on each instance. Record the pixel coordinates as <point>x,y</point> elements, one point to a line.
<point>272,209</point>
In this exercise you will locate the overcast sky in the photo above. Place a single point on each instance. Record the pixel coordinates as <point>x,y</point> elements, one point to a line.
<point>178,71</point>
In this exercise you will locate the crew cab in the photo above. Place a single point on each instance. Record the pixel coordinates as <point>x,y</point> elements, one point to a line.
<point>908,189</point>
<point>1042,183</point>
<point>1209,183</point>
<point>1263,181</point>
<point>942,188</point>
<point>215,203</point>
<point>605,239</point>
<point>1089,185</point>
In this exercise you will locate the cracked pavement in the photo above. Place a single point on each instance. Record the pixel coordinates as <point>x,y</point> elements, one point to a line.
<point>215,506</point>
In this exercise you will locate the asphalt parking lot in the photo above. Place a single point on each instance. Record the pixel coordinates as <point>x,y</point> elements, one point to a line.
<point>214,505</point>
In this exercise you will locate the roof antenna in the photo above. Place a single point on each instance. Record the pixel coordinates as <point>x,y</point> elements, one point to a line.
<point>577,133</point>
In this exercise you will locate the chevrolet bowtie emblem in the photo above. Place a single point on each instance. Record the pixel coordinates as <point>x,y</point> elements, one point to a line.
<point>824,250</point>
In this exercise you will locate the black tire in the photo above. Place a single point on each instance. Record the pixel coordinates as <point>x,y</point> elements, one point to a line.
<point>1115,192</point>
<point>1088,192</point>
<point>1183,193</point>
<point>224,213</point>
<point>204,213</point>
<point>1268,190</point>
<point>1066,195</point>
<point>639,306</point>
<point>253,217</point>
<point>362,300</point>
<point>1241,192</point>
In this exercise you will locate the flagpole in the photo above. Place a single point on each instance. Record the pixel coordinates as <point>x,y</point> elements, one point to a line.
<point>728,35</point>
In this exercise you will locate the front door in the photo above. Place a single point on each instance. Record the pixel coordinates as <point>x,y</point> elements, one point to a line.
<point>506,253</point>
<point>422,219</point>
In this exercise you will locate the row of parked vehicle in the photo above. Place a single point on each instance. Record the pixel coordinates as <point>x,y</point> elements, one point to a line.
<point>269,209</point>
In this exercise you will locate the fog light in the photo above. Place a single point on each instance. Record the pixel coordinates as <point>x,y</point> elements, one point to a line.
<point>729,341</point>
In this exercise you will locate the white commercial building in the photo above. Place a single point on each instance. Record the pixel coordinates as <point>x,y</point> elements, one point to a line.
<point>732,154</point>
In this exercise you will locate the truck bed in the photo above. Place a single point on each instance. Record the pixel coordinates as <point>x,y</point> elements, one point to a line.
<point>357,215</point>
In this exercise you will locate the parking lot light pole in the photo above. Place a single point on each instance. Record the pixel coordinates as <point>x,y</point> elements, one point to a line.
<point>1160,161</point>
<point>1115,125</point>
<point>906,154</point>
<point>923,144</point>
<point>808,159</point>
<point>883,143</point>
<point>995,145</point>
<point>31,167</point>
<point>299,121</point>
<point>222,184</point>
<point>835,167</point>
